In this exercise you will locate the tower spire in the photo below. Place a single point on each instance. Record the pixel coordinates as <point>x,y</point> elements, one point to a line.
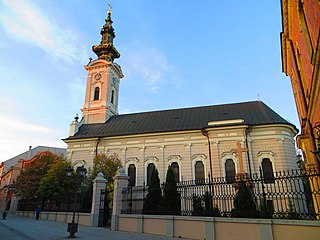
<point>106,50</point>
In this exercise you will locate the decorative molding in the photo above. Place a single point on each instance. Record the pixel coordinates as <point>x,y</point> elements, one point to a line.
<point>79,163</point>
<point>174,158</point>
<point>142,148</point>
<point>151,159</point>
<point>229,153</point>
<point>132,159</point>
<point>188,145</point>
<point>265,152</point>
<point>198,155</point>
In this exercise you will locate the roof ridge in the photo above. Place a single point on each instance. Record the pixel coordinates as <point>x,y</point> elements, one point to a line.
<point>187,108</point>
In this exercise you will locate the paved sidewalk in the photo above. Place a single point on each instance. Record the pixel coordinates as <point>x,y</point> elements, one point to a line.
<point>31,229</point>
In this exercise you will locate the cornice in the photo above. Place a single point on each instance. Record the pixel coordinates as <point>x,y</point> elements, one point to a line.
<point>285,34</point>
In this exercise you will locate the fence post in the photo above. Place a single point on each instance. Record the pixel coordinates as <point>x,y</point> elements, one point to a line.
<point>120,182</point>
<point>14,204</point>
<point>99,183</point>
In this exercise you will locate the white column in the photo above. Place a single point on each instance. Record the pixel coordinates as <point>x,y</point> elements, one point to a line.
<point>99,183</point>
<point>120,182</point>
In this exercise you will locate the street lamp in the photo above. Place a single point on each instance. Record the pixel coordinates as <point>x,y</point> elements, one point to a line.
<point>79,176</point>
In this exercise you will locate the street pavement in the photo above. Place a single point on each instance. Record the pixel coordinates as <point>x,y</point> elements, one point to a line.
<point>24,228</point>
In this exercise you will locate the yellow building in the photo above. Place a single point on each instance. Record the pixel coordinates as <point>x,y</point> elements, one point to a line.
<point>300,45</point>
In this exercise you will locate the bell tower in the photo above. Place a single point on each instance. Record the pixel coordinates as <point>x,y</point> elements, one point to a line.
<point>102,90</point>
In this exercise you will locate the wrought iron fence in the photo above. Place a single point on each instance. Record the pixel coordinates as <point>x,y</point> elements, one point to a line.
<point>293,194</point>
<point>83,204</point>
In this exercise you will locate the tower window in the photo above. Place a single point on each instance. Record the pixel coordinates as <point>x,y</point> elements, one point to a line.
<point>96,93</point>
<point>230,171</point>
<point>112,96</point>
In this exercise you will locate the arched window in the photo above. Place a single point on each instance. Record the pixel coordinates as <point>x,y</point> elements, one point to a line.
<point>267,170</point>
<point>230,171</point>
<point>175,168</point>
<point>112,96</point>
<point>199,172</point>
<point>150,168</point>
<point>132,174</point>
<point>96,93</point>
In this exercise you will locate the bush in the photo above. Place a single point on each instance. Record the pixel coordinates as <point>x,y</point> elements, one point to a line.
<point>154,197</point>
<point>203,206</point>
<point>197,206</point>
<point>244,205</point>
<point>209,210</point>
<point>171,199</point>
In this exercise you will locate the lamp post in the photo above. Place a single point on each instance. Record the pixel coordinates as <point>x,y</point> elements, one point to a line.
<point>79,176</point>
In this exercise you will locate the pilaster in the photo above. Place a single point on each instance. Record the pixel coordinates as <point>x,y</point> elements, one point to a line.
<point>99,183</point>
<point>120,182</point>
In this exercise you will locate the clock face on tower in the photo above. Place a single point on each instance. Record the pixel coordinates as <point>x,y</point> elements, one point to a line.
<point>97,76</point>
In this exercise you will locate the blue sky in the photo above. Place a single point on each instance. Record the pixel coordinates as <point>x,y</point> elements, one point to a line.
<point>174,54</point>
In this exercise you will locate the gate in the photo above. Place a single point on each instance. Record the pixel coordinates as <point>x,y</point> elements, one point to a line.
<point>105,210</point>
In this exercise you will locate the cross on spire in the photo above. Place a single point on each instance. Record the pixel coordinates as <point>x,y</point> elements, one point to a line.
<point>109,8</point>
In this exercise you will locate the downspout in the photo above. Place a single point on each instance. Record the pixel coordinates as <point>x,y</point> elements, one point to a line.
<point>206,134</point>
<point>247,131</point>
<point>96,151</point>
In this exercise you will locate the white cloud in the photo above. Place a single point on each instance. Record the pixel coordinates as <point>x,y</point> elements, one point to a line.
<point>27,22</point>
<point>17,133</point>
<point>148,63</point>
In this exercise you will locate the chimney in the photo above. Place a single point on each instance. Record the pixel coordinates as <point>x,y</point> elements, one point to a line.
<point>29,153</point>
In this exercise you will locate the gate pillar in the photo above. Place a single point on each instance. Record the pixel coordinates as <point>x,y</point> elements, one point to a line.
<point>99,183</point>
<point>120,182</point>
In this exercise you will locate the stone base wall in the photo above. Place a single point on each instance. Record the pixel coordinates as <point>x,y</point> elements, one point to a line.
<point>220,228</point>
<point>66,217</point>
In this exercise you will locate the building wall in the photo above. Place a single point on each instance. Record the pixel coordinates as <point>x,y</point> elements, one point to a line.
<point>271,141</point>
<point>300,58</point>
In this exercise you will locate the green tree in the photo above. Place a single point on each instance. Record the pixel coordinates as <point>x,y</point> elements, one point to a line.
<point>154,197</point>
<point>28,182</point>
<point>171,199</point>
<point>244,205</point>
<point>56,185</point>
<point>108,165</point>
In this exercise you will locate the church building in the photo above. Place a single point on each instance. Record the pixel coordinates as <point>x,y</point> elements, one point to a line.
<point>217,140</point>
